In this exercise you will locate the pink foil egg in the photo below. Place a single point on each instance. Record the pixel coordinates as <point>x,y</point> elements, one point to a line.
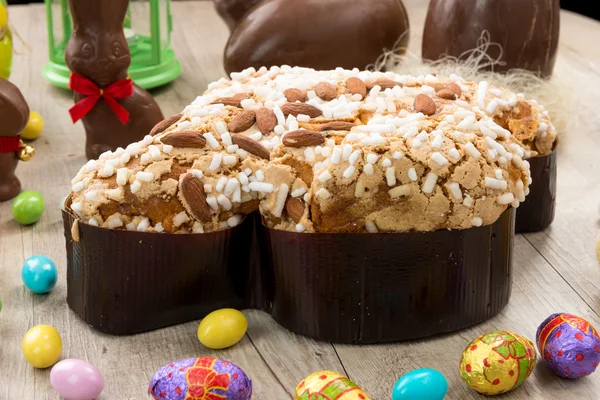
<point>76,380</point>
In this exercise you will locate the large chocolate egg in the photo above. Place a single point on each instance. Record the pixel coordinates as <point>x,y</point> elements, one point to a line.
<point>527,31</point>
<point>569,344</point>
<point>328,385</point>
<point>200,378</point>
<point>232,11</point>
<point>497,362</point>
<point>321,34</point>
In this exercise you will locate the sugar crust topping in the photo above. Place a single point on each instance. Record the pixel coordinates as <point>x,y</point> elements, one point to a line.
<point>324,151</point>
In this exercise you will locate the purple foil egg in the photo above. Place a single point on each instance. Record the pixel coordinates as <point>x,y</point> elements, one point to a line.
<point>206,378</point>
<point>569,344</point>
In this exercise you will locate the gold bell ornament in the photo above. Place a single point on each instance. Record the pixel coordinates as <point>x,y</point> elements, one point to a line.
<point>26,152</point>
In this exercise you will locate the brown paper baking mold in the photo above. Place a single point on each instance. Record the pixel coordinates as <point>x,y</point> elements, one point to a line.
<point>382,287</point>
<point>124,282</point>
<point>346,288</point>
<point>536,213</point>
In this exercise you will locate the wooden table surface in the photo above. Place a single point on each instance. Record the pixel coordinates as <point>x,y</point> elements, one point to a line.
<point>554,271</point>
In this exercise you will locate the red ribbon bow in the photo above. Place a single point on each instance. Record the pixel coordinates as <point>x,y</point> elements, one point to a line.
<point>10,144</point>
<point>118,90</point>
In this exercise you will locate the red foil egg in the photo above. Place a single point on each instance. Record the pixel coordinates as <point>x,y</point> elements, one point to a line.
<point>526,30</point>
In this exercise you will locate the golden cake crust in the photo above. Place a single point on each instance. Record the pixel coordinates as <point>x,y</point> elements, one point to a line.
<point>324,151</point>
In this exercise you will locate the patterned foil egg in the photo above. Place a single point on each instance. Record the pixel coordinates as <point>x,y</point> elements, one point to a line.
<point>497,362</point>
<point>205,378</point>
<point>327,385</point>
<point>569,344</point>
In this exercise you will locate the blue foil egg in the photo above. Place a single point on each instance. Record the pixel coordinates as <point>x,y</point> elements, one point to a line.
<point>421,384</point>
<point>39,274</point>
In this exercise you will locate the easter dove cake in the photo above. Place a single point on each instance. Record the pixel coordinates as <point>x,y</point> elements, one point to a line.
<point>323,151</point>
<point>341,202</point>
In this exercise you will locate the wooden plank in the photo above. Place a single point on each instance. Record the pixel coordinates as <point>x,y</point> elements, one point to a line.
<point>569,244</point>
<point>16,243</point>
<point>291,357</point>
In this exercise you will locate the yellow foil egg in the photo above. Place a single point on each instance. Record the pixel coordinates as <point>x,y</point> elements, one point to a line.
<point>497,362</point>
<point>34,127</point>
<point>328,385</point>
<point>222,328</point>
<point>42,346</point>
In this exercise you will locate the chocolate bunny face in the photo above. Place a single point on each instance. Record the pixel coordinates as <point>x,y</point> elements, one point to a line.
<point>98,49</point>
<point>14,112</point>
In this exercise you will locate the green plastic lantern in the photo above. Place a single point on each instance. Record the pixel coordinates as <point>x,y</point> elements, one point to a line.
<point>147,27</point>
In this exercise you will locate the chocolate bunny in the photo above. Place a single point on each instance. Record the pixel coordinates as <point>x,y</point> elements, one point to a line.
<point>14,114</point>
<point>98,56</point>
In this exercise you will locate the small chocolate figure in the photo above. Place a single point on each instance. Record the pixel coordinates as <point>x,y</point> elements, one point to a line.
<point>14,114</point>
<point>115,111</point>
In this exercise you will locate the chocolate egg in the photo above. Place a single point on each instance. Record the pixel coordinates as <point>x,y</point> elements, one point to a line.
<point>328,385</point>
<point>201,378</point>
<point>526,30</point>
<point>569,344</point>
<point>232,11</point>
<point>322,34</point>
<point>497,362</point>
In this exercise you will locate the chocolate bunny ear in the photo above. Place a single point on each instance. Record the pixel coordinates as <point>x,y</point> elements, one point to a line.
<point>112,14</point>
<point>98,14</point>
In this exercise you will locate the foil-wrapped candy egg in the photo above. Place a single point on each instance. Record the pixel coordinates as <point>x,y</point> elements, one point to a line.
<point>328,385</point>
<point>203,378</point>
<point>569,344</point>
<point>497,362</point>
